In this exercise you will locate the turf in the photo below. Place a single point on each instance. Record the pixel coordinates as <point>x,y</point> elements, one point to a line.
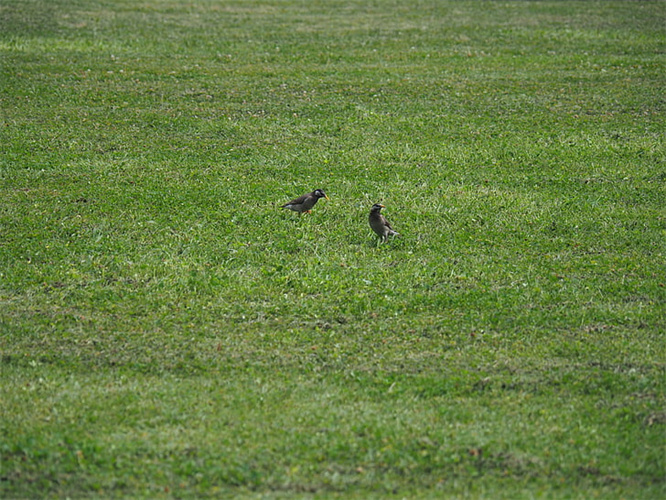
<point>167,331</point>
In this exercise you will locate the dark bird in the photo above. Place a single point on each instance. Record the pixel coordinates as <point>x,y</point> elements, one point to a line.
<point>306,202</point>
<point>379,224</point>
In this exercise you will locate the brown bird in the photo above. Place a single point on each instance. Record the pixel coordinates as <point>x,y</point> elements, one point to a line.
<point>306,202</point>
<point>379,224</point>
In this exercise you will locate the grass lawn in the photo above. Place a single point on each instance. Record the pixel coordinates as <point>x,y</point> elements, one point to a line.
<point>167,331</point>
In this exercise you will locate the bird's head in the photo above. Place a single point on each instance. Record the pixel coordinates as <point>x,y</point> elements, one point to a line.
<point>376,207</point>
<point>320,194</point>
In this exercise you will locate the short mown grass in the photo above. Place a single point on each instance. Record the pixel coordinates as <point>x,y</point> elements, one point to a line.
<point>167,331</point>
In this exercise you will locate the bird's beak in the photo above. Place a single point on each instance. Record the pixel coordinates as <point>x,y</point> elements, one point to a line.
<point>326,196</point>
<point>383,206</point>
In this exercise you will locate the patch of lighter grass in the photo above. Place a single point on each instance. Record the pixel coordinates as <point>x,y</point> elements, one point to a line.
<point>35,45</point>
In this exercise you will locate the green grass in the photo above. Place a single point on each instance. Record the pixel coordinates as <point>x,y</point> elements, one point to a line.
<point>167,331</point>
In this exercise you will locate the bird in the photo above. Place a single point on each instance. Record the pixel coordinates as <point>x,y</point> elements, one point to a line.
<point>306,202</point>
<point>379,224</point>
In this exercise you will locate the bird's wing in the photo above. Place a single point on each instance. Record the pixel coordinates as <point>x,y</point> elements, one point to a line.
<point>298,201</point>
<point>386,223</point>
